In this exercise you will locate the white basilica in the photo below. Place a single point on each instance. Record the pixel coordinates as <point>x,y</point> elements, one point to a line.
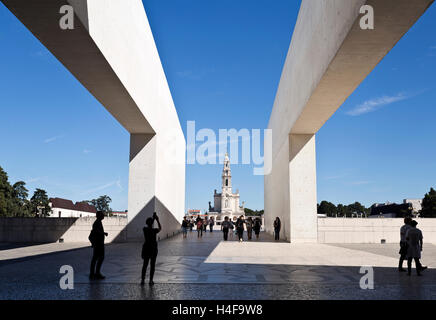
<point>226,203</point>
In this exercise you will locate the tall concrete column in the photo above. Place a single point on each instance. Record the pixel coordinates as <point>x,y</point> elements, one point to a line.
<point>302,188</point>
<point>290,189</point>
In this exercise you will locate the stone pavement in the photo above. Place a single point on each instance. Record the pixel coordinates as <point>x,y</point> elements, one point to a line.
<point>208,268</point>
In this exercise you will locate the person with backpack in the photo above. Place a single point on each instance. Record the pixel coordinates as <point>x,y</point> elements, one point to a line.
<point>96,238</point>
<point>185,225</point>
<point>240,227</point>
<point>149,248</point>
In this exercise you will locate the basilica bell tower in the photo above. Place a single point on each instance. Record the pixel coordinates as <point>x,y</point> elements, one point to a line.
<point>226,183</point>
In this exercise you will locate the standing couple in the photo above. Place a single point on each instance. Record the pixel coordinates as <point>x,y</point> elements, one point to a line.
<point>410,246</point>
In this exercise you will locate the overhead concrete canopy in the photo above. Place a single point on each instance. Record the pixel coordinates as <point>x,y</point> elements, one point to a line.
<point>111,51</point>
<point>329,56</point>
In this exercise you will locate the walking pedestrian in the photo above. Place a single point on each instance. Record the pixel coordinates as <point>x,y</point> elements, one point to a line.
<point>185,225</point>
<point>249,226</point>
<point>257,225</point>
<point>199,227</point>
<point>240,227</point>
<point>415,241</point>
<point>403,243</point>
<point>225,226</point>
<point>205,224</point>
<point>211,224</point>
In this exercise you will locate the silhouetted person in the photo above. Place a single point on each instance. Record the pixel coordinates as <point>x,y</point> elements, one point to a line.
<point>414,241</point>
<point>211,224</point>
<point>277,227</point>
<point>225,226</point>
<point>249,226</point>
<point>149,248</point>
<point>403,242</point>
<point>97,241</point>
<point>185,225</point>
<point>257,225</point>
<point>240,228</point>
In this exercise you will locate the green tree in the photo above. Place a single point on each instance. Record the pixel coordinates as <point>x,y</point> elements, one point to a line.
<point>250,212</point>
<point>342,210</point>
<point>6,198</point>
<point>39,203</point>
<point>356,207</point>
<point>327,208</point>
<point>102,204</point>
<point>429,204</point>
<point>20,195</point>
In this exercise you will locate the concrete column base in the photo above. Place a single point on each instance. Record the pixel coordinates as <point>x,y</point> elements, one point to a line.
<point>302,188</point>
<point>144,182</point>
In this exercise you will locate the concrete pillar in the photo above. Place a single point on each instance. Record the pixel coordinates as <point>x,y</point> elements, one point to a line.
<point>302,188</point>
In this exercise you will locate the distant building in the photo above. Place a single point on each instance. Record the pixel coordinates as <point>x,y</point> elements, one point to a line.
<point>416,204</point>
<point>193,212</point>
<point>390,210</point>
<point>119,214</point>
<point>226,203</point>
<point>63,208</point>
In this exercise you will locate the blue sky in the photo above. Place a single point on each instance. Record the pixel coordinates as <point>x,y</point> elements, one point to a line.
<point>223,61</point>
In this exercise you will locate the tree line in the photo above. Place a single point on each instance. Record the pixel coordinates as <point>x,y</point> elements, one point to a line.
<point>341,210</point>
<point>250,212</point>
<point>428,209</point>
<point>15,202</point>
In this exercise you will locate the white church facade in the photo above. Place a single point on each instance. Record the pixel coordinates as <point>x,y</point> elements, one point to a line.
<point>226,203</point>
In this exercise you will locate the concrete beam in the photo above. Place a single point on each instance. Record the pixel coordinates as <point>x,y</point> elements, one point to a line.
<point>111,51</point>
<point>329,56</point>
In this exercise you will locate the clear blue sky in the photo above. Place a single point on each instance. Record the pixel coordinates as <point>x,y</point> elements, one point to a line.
<point>223,61</point>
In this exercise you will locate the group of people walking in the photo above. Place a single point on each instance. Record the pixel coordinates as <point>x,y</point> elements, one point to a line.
<point>411,243</point>
<point>227,226</point>
<point>201,224</point>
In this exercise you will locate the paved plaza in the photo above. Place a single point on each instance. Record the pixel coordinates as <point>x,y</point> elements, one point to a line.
<point>208,268</point>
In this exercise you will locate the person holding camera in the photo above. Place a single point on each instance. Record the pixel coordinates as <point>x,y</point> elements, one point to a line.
<point>149,249</point>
